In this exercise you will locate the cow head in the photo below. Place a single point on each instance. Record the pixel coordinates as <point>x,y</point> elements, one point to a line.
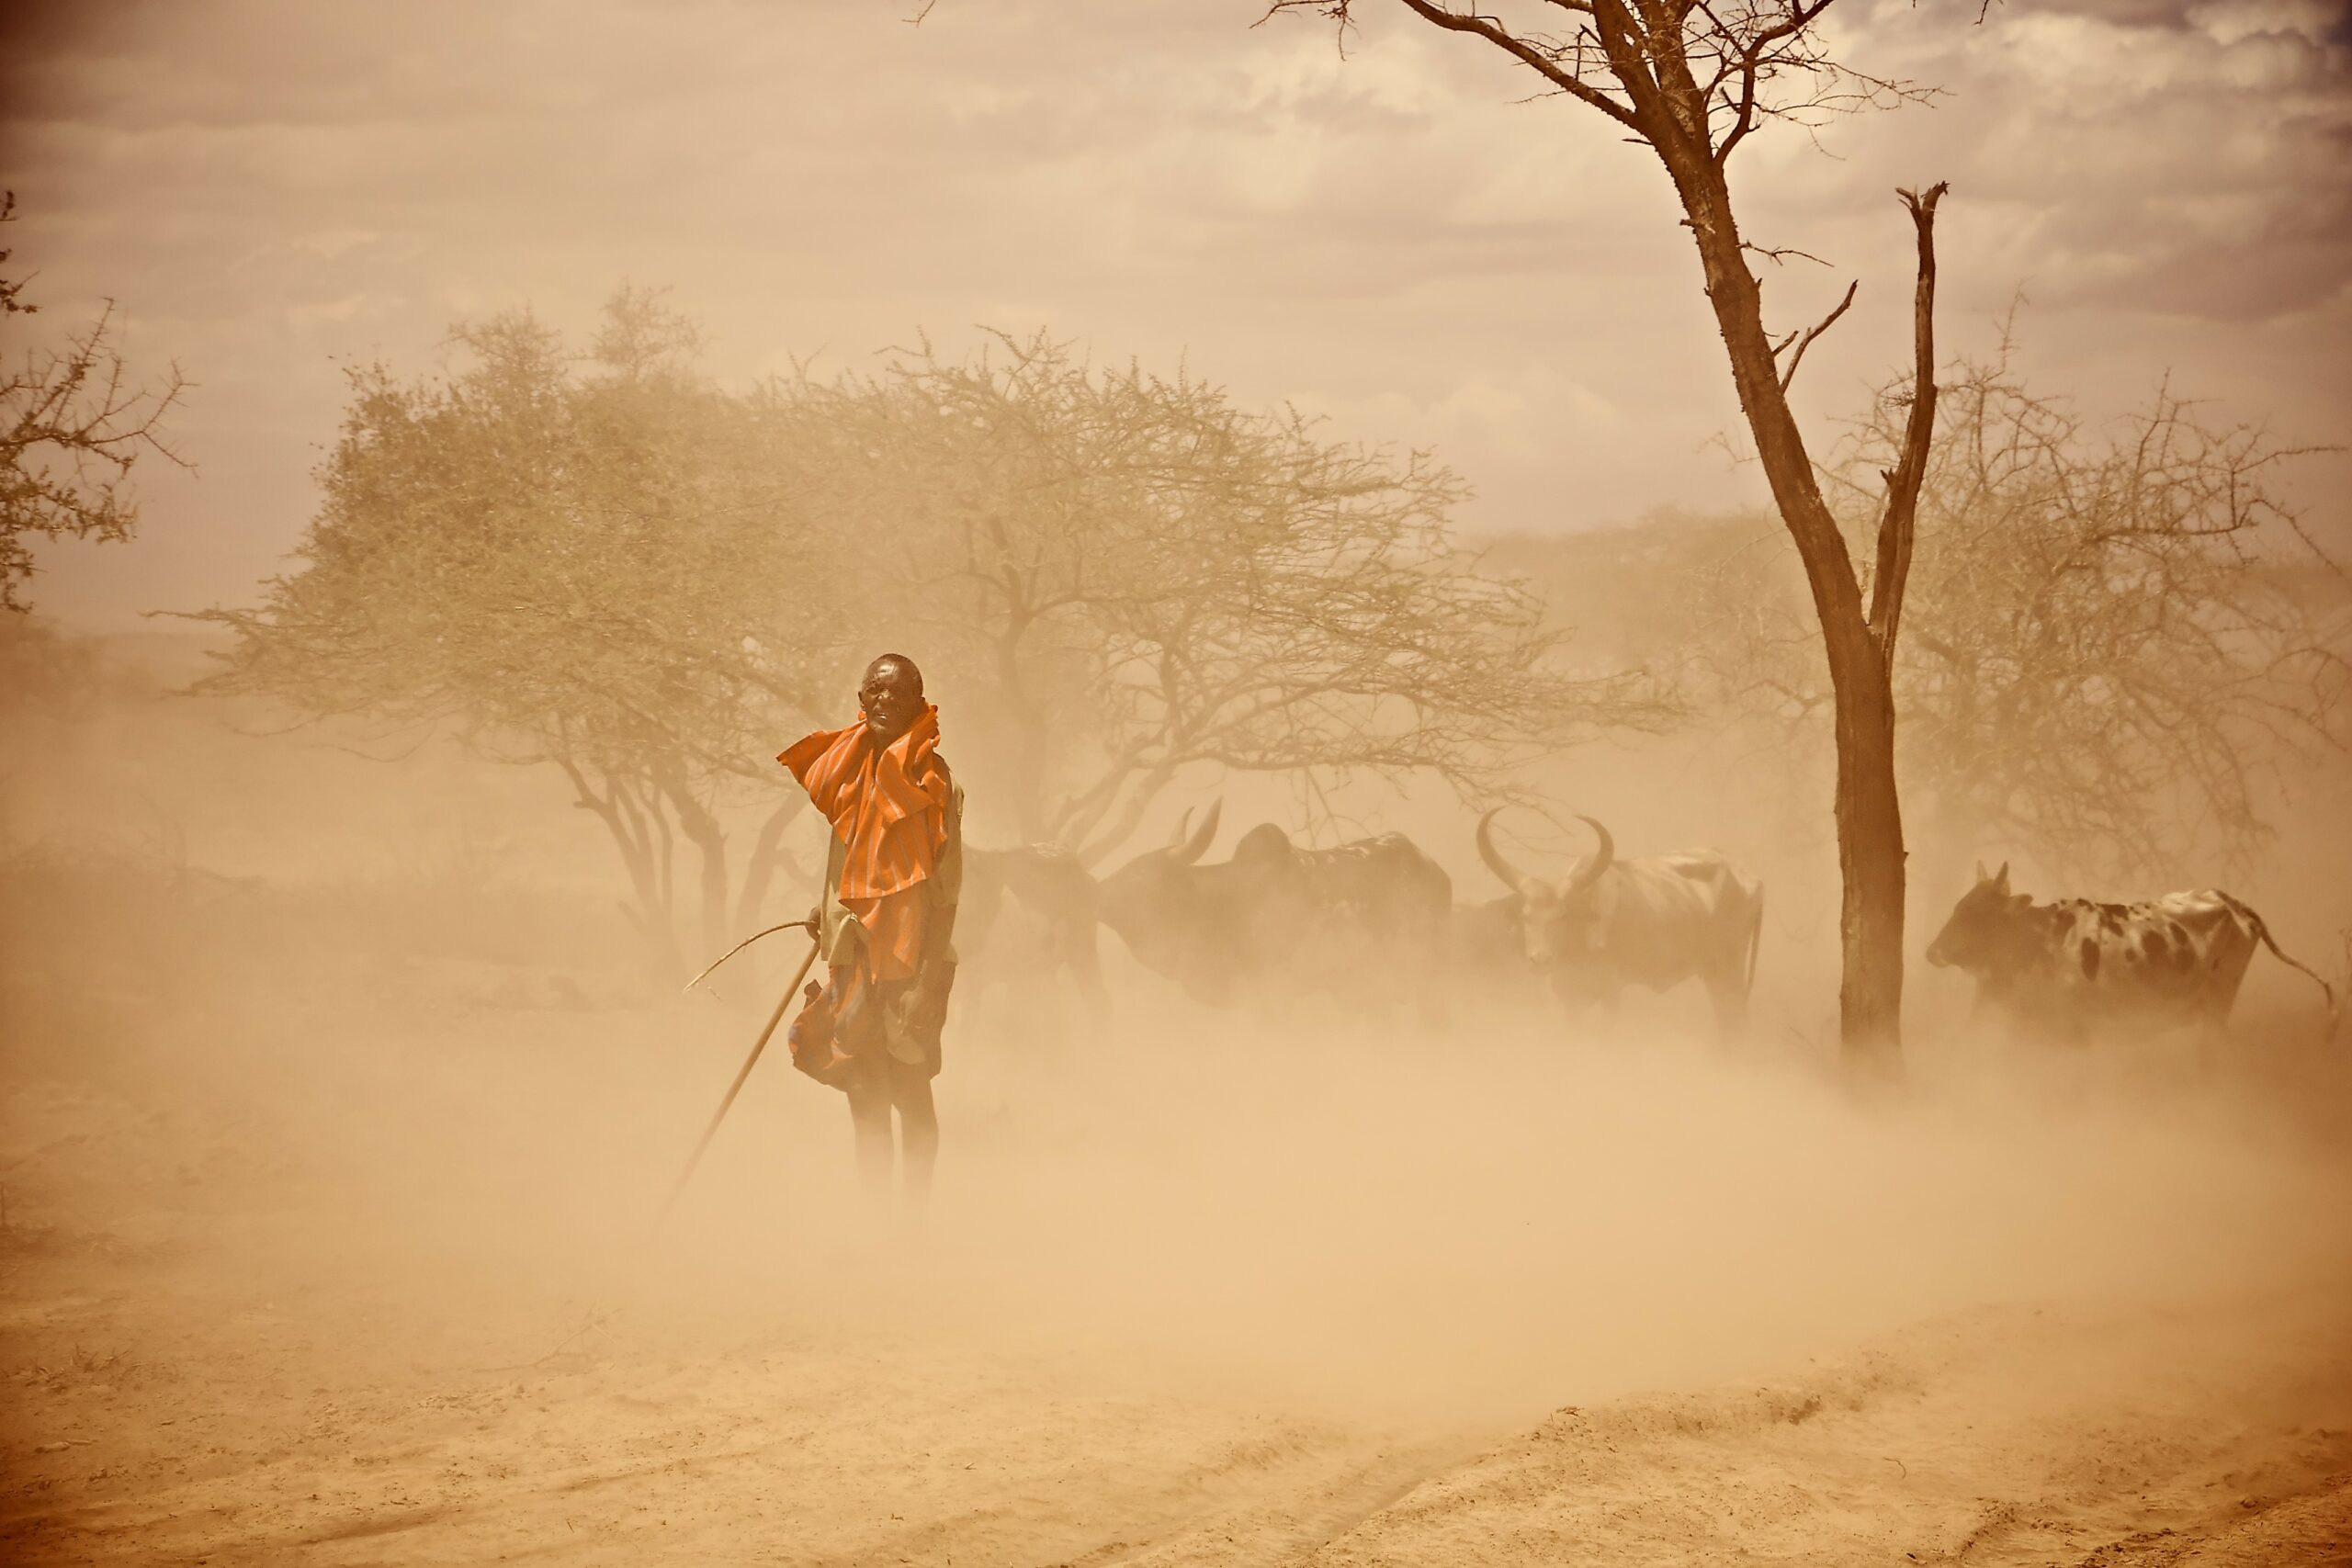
<point>1982,925</point>
<point>1556,918</point>
<point>1155,902</point>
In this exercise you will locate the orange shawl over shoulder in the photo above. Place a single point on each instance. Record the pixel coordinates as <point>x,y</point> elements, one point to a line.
<point>888,804</point>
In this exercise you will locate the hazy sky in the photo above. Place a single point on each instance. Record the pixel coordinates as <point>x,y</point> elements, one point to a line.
<point>275,188</point>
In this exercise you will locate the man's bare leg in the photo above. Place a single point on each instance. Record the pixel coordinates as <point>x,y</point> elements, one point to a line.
<point>869,1115</point>
<point>919,1127</point>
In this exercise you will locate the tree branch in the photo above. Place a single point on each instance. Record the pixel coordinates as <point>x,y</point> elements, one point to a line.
<point>1804,340</point>
<point>1899,522</point>
<point>1527,54</point>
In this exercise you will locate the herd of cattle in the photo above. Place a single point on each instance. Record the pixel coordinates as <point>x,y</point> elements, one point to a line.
<point>1374,924</point>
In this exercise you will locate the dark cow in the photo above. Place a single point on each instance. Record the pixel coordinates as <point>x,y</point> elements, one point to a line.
<point>1366,921</point>
<point>2072,968</point>
<point>1489,955</point>
<point>1044,888</point>
<point>1653,922</point>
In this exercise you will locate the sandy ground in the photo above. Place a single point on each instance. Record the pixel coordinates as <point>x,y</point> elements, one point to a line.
<point>1183,1297</point>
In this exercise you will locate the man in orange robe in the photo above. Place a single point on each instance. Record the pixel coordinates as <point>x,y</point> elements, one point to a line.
<point>892,878</point>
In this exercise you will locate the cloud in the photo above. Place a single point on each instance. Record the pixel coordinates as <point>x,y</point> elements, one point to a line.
<point>274,190</point>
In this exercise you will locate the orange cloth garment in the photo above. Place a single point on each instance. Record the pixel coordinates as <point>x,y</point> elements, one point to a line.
<point>888,805</point>
<point>894,927</point>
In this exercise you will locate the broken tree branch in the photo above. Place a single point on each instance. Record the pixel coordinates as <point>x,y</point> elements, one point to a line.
<point>1897,524</point>
<point>1804,340</point>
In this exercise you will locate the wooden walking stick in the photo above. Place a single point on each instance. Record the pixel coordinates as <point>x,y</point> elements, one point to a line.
<point>782,1003</point>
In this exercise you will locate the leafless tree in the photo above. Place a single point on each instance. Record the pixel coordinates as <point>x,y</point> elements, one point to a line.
<point>1692,81</point>
<point>617,570</point>
<point>2111,639</point>
<point>1146,579</point>
<point>73,425</point>
<point>597,569</point>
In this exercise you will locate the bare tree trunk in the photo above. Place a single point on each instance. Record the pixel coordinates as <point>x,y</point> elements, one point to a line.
<point>648,916</point>
<point>702,829</point>
<point>1871,858</point>
<point>1640,73</point>
<point>760,869</point>
<point>1869,812</point>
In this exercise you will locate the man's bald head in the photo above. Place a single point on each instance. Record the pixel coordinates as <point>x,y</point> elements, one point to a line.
<point>891,697</point>
<point>903,663</point>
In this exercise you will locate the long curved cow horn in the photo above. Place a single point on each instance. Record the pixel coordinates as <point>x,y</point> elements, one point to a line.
<point>1581,881</point>
<point>1511,875</point>
<point>1195,843</point>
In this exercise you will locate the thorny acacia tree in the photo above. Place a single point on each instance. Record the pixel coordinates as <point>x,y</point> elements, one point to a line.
<point>2108,648</point>
<point>72,426</point>
<point>593,566</point>
<point>1692,80</point>
<point>620,570</point>
<point>1134,577</point>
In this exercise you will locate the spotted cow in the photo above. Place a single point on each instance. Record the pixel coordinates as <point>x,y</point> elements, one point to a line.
<point>2073,968</point>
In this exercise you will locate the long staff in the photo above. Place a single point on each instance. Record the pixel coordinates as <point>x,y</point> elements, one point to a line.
<point>750,1062</point>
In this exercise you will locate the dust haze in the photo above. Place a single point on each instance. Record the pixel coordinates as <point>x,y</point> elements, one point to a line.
<point>1537,1100</point>
<point>340,1105</point>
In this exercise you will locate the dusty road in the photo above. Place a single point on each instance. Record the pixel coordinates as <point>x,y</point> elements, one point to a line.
<point>412,1315</point>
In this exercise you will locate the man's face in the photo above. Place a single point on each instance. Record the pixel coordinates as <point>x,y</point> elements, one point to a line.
<point>889,700</point>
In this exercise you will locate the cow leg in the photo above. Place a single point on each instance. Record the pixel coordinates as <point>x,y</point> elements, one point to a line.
<point>1082,953</point>
<point>1433,999</point>
<point>1995,1019</point>
<point>2213,1042</point>
<point>976,917</point>
<point>1729,1011</point>
<point>1597,1008</point>
<point>1564,998</point>
<point>1729,997</point>
<point>2220,999</point>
